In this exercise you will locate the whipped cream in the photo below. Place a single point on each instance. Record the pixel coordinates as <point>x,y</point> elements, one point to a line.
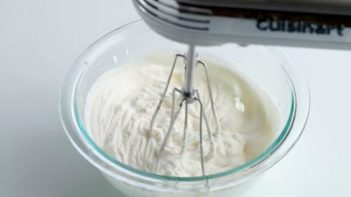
<point>121,102</point>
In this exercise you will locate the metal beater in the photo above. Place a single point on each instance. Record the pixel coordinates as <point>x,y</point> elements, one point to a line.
<point>189,95</point>
<point>307,23</point>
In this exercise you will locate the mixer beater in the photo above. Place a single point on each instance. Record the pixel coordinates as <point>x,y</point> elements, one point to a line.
<point>188,95</point>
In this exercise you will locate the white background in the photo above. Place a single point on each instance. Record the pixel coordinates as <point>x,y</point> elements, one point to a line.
<point>39,39</point>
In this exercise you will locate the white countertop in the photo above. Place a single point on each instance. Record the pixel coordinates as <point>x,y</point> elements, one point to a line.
<point>40,39</point>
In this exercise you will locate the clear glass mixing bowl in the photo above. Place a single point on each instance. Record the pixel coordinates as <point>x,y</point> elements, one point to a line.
<point>268,67</point>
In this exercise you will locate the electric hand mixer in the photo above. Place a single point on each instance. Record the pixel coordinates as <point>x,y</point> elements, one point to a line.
<point>307,23</point>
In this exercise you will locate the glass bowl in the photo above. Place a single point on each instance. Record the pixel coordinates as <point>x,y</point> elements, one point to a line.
<point>268,67</point>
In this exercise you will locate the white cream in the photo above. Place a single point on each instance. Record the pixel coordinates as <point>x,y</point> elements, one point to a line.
<point>121,102</point>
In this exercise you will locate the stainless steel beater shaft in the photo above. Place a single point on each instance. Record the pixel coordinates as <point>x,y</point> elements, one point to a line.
<point>188,95</point>
<point>189,69</point>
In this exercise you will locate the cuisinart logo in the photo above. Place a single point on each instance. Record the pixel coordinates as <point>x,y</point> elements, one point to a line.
<point>280,25</point>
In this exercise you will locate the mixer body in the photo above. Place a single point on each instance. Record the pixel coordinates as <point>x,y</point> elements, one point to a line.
<point>305,23</point>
